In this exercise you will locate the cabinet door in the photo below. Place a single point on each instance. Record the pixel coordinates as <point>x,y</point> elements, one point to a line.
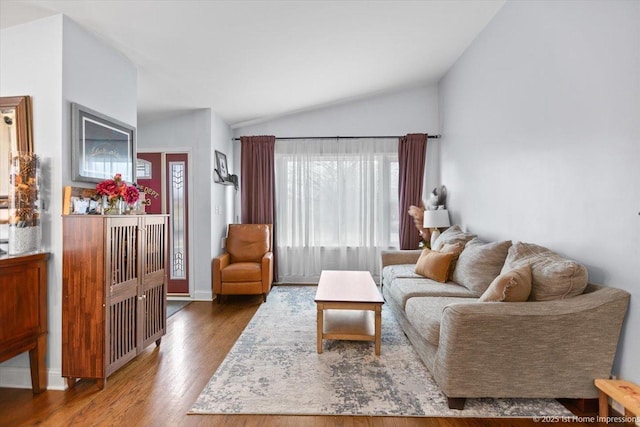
<point>84,343</point>
<point>123,275</point>
<point>153,285</point>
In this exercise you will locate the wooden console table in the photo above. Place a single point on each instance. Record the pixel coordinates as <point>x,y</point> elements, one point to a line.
<point>23,312</point>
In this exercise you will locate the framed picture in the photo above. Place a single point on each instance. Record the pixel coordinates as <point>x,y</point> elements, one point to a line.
<point>100,146</point>
<point>221,166</point>
<point>80,201</point>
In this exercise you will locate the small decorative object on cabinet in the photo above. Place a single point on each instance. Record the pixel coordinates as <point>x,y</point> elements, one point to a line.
<point>114,289</point>
<point>23,312</point>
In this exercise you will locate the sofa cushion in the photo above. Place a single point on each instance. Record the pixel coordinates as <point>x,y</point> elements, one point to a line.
<point>242,272</point>
<point>425,313</point>
<point>552,276</point>
<point>456,249</point>
<point>452,235</point>
<point>479,264</point>
<point>400,290</point>
<point>395,271</point>
<point>434,265</point>
<point>512,286</point>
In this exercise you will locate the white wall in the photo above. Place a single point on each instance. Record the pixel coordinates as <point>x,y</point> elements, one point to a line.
<point>200,133</point>
<point>57,62</point>
<point>542,139</point>
<point>223,197</point>
<point>412,110</point>
<point>31,64</point>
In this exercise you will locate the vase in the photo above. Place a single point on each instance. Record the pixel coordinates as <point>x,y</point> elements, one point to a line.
<point>25,229</point>
<point>112,206</point>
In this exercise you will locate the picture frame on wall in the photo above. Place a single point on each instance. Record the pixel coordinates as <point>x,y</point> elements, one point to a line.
<point>222,169</point>
<point>101,146</point>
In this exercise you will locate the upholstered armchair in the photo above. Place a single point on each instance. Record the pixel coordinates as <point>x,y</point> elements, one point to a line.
<point>247,267</point>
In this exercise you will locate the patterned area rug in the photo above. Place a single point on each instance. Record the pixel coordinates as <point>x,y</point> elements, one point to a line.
<point>274,369</point>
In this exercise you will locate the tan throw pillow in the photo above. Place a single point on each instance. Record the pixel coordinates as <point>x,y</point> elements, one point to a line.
<point>479,264</point>
<point>513,286</point>
<point>552,276</point>
<point>456,249</point>
<point>452,235</point>
<point>434,265</point>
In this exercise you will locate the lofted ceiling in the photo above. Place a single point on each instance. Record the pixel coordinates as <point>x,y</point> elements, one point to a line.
<point>251,60</point>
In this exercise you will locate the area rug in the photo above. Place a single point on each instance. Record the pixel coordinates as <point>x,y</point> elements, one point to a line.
<point>174,306</point>
<point>274,368</point>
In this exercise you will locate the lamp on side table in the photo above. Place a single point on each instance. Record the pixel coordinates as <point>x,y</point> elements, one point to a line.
<point>435,219</point>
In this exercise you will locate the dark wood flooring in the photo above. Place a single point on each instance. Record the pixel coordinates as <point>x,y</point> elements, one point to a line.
<point>159,386</point>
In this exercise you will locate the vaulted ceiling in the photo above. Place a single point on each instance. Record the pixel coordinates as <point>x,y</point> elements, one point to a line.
<point>250,60</point>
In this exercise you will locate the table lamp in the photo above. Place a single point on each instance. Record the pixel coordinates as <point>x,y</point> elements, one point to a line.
<point>434,219</point>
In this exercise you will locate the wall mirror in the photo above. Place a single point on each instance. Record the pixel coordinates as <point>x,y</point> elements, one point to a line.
<point>15,133</point>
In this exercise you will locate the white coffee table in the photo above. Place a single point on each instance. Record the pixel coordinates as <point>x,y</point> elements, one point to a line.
<point>349,307</point>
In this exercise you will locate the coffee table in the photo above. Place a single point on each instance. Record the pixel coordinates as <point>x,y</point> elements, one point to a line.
<point>349,307</point>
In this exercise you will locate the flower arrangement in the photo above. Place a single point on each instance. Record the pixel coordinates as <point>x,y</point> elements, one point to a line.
<point>116,190</point>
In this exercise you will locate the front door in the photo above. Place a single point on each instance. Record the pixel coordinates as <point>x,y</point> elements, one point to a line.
<point>163,178</point>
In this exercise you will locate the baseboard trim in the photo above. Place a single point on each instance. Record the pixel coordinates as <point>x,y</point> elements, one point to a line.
<point>16,377</point>
<point>203,296</point>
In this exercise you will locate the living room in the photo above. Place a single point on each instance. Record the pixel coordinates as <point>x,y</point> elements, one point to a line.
<point>524,115</point>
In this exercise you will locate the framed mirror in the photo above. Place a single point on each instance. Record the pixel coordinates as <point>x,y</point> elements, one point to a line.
<point>16,134</point>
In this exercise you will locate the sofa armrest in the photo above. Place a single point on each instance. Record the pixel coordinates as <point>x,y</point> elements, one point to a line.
<point>267,272</point>
<point>217,264</point>
<point>393,257</point>
<point>531,349</point>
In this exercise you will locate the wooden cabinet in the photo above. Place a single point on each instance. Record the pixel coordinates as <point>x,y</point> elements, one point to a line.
<point>114,289</point>
<point>23,312</point>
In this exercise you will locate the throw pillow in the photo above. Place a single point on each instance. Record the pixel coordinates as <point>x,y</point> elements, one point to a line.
<point>512,286</point>
<point>479,264</point>
<point>452,235</point>
<point>552,276</point>
<point>456,249</point>
<point>434,265</point>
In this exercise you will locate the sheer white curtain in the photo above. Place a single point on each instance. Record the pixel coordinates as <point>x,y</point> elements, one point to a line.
<point>336,205</point>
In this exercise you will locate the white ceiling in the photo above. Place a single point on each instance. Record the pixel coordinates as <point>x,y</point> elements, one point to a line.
<point>250,60</point>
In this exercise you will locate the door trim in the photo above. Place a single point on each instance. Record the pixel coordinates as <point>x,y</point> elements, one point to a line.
<point>188,151</point>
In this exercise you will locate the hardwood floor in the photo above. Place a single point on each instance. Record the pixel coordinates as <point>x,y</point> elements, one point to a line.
<point>160,385</point>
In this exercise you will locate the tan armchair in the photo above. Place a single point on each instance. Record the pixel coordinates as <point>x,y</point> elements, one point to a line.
<point>247,267</point>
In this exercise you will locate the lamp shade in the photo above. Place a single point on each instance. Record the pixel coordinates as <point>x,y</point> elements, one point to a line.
<point>436,218</point>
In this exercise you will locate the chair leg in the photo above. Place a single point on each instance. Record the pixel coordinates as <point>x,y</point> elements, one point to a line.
<point>219,298</point>
<point>264,297</point>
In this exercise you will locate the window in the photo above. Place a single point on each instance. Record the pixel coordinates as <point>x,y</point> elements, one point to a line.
<point>336,205</point>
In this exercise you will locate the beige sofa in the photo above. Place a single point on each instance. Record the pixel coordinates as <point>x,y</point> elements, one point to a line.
<point>551,346</point>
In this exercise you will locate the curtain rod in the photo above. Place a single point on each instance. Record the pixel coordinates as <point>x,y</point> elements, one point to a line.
<point>345,137</point>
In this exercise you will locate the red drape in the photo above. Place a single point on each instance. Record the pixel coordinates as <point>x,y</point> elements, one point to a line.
<point>412,150</point>
<point>257,184</point>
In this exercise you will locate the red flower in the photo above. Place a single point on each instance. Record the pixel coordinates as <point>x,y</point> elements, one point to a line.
<point>131,195</point>
<point>108,188</point>
<point>116,188</point>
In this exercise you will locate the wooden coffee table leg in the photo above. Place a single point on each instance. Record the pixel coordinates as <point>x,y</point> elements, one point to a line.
<point>320,326</point>
<point>378,328</point>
